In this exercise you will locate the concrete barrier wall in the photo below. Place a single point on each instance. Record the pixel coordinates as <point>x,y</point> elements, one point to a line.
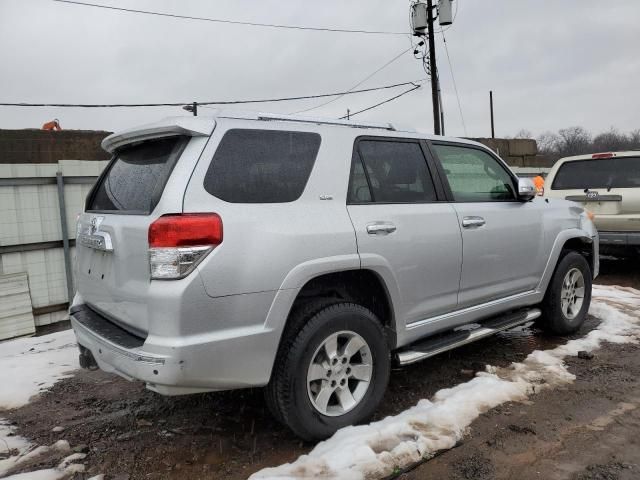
<point>40,146</point>
<point>518,152</point>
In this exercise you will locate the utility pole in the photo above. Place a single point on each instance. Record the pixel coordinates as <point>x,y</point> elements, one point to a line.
<point>422,19</point>
<point>441,108</point>
<point>493,130</point>
<point>433,69</point>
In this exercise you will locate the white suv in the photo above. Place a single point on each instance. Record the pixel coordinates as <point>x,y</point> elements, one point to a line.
<point>307,255</point>
<point>608,185</point>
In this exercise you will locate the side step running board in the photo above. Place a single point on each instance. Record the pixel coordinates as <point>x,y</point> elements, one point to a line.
<point>456,338</point>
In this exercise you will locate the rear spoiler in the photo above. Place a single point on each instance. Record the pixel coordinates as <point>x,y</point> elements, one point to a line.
<point>191,126</point>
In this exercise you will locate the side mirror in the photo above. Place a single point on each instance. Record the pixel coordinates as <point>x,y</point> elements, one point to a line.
<point>526,189</point>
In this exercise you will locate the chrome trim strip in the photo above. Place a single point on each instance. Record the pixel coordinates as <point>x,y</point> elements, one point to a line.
<point>474,308</point>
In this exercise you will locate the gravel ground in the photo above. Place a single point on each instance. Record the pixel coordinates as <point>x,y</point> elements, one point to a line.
<point>588,430</point>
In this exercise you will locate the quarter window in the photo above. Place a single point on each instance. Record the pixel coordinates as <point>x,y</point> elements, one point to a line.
<point>261,166</point>
<point>474,175</point>
<point>390,172</point>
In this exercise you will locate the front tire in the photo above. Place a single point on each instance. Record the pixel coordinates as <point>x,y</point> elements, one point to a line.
<point>332,372</point>
<point>566,303</point>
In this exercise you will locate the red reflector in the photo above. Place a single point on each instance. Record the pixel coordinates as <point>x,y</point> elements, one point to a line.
<point>185,230</point>
<point>602,155</point>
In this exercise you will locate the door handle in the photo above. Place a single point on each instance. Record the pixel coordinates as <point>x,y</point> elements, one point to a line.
<point>381,228</point>
<point>473,222</point>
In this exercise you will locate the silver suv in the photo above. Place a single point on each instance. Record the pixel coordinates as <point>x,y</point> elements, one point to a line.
<point>308,256</point>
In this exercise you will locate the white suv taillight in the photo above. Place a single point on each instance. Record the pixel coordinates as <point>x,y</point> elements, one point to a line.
<point>178,242</point>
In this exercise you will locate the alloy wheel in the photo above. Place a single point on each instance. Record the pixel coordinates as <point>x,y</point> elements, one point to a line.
<point>339,374</point>
<point>572,293</point>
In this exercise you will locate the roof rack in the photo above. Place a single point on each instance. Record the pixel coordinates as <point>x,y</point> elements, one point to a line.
<point>324,121</point>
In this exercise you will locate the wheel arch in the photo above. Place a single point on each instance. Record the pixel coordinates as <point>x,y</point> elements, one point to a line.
<point>361,286</point>
<point>569,240</point>
<point>584,246</point>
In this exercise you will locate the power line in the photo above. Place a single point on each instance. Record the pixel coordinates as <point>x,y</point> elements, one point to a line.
<point>222,102</point>
<point>357,84</point>
<point>232,22</point>
<point>455,87</point>
<point>416,87</point>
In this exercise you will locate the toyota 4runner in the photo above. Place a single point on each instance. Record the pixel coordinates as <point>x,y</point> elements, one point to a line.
<point>308,256</point>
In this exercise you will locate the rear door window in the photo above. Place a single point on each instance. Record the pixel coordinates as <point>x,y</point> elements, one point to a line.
<point>262,166</point>
<point>136,177</point>
<point>621,172</point>
<point>388,171</point>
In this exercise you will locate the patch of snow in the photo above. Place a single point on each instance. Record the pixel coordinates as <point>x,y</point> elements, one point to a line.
<point>375,450</point>
<point>26,456</point>
<point>9,440</point>
<point>71,458</point>
<point>62,446</point>
<point>29,365</point>
<point>49,473</point>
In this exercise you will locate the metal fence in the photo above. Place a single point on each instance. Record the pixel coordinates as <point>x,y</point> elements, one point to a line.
<point>39,204</point>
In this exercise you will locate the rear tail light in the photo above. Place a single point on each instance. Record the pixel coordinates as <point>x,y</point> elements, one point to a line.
<point>603,155</point>
<point>178,242</point>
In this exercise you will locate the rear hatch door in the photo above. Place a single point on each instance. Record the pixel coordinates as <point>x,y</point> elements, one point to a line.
<point>609,187</point>
<point>145,179</point>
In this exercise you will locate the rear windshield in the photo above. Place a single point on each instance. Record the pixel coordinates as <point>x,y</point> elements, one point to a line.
<point>261,166</point>
<point>135,178</point>
<point>621,172</point>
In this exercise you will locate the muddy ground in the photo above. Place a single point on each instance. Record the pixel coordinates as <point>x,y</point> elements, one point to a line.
<point>588,430</point>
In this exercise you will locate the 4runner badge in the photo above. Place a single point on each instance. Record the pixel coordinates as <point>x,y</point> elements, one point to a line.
<point>92,237</point>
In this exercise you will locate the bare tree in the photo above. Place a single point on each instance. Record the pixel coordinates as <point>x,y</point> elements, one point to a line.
<point>574,141</point>
<point>548,143</point>
<point>523,133</point>
<point>578,141</point>
<point>634,140</point>
<point>611,141</point>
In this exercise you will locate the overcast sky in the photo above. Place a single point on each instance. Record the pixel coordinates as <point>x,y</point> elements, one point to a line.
<point>551,64</point>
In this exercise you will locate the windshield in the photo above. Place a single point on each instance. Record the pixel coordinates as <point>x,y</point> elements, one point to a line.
<point>599,173</point>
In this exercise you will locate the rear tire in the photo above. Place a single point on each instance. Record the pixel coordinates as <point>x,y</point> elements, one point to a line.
<point>299,316</point>
<point>332,371</point>
<point>566,303</point>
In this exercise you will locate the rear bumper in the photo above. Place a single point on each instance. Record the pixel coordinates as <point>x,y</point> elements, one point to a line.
<point>620,239</point>
<point>175,366</point>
